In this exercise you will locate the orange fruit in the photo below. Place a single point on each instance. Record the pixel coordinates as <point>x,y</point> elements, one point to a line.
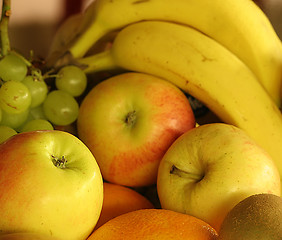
<point>119,200</point>
<point>156,224</point>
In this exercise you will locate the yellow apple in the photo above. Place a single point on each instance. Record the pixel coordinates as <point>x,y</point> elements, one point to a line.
<point>50,184</point>
<point>211,168</point>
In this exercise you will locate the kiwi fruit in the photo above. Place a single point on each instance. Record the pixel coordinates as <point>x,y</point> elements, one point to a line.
<point>257,217</point>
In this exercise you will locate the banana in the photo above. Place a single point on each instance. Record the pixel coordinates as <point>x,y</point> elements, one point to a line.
<point>201,67</point>
<point>66,32</point>
<point>238,25</point>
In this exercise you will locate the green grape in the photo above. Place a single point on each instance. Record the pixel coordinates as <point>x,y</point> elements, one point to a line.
<point>14,97</point>
<point>60,108</point>
<point>36,113</point>
<point>6,132</point>
<point>36,124</point>
<point>12,67</point>
<point>38,89</point>
<point>14,120</point>
<point>71,79</point>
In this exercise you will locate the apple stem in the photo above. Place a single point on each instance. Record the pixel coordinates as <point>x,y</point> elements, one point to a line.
<point>130,118</point>
<point>59,162</point>
<point>6,13</point>
<point>175,170</point>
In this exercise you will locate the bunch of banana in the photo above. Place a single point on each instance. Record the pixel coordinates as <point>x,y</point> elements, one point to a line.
<point>238,25</point>
<point>67,31</point>
<point>202,67</point>
<point>225,53</point>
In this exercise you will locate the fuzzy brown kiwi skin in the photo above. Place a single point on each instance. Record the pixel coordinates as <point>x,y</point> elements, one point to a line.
<point>256,217</point>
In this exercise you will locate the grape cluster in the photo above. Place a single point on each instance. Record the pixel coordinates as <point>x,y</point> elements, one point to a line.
<point>27,103</point>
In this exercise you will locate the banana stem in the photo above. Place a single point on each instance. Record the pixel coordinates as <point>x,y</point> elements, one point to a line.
<point>98,62</point>
<point>6,12</point>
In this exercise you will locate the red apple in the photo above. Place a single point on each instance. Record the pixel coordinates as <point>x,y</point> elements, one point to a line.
<point>128,122</point>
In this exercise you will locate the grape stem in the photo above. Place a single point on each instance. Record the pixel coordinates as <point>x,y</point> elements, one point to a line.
<point>6,13</point>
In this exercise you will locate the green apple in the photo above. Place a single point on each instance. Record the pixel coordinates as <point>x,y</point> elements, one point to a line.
<point>50,183</point>
<point>128,122</point>
<point>211,168</point>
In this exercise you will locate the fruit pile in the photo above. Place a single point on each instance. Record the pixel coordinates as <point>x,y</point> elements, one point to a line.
<point>103,140</point>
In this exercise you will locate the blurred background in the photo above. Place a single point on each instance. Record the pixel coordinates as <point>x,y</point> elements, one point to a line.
<point>33,22</point>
